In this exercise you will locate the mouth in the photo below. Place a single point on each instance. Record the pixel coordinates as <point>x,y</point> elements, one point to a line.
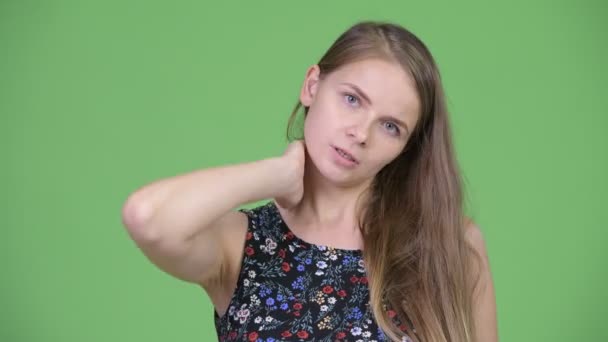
<point>346,154</point>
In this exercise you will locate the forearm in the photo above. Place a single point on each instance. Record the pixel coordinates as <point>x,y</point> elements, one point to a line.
<point>182,206</point>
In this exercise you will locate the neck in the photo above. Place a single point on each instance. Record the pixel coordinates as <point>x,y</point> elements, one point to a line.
<point>326,205</point>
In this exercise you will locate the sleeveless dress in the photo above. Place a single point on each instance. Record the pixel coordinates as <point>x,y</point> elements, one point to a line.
<point>292,290</point>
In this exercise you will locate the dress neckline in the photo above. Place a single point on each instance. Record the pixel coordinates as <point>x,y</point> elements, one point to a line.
<point>319,247</point>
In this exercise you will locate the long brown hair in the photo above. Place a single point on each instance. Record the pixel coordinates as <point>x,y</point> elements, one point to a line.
<point>418,260</point>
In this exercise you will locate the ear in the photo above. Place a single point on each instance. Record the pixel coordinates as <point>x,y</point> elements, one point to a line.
<point>310,85</point>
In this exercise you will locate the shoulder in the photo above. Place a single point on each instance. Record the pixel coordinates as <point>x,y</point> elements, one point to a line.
<point>474,237</point>
<point>484,300</point>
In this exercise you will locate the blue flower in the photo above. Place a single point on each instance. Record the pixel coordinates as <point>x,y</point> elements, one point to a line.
<point>300,268</point>
<point>269,301</point>
<point>284,306</point>
<point>308,261</point>
<point>279,297</point>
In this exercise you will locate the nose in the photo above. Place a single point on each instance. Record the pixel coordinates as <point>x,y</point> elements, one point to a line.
<point>359,132</point>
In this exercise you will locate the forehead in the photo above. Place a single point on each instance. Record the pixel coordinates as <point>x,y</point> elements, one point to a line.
<point>390,88</point>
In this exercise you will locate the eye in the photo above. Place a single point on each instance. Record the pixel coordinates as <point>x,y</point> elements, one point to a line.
<point>351,99</point>
<point>391,126</point>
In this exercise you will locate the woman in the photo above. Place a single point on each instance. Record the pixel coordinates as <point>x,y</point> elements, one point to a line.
<point>365,237</point>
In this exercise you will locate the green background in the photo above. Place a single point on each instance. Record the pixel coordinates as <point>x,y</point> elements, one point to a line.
<point>99,98</point>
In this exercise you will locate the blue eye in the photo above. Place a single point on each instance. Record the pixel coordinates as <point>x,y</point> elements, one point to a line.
<point>350,97</point>
<point>394,127</point>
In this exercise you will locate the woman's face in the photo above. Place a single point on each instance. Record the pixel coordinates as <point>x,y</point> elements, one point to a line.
<point>366,108</point>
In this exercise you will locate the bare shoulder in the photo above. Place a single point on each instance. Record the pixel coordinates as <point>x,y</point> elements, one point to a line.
<point>484,301</point>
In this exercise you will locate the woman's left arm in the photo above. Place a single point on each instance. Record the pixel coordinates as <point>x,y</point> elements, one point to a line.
<point>484,301</point>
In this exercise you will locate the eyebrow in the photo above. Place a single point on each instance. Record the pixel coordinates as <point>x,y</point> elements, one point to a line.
<point>366,98</point>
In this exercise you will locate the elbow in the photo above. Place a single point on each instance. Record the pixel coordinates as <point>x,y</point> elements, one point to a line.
<point>135,218</point>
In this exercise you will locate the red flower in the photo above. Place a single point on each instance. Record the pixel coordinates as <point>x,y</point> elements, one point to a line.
<point>296,313</point>
<point>282,253</point>
<point>392,313</point>
<point>285,267</point>
<point>327,289</point>
<point>253,336</point>
<point>302,334</point>
<point>286,333</point>
<point>403,327</point>
<point>249,251</point>
<point>249,235</point>
<point>232,335</point>
<point>297,306</point>
<point>341,335</point>
<point>363,280</point>
<point>342,293</point>
<point>354,279</point>
<point>289,235</point>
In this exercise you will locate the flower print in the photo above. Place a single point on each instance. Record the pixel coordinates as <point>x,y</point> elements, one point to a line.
<point>354,279</point>
<point>285,267</point>
<point>253,336</point>
<point>285,333</point>
<point>269,301</point>
<point>308,261</point>
<point>342,293</point>
<point>340,335</point>
<point>249,251</point>
<point>258,320</point>
<point>302,334</point>
<point>356,331</point>
<point>242,314</point>
<point>327,289</point>
<point>284,306</point>
<point>363,280</point>
<point>268,319</point>
<point>333,257</point>
<point>251,274</point>
<point>321,264</point>
<point>300,268</point>
<point>321,247</point>
<point>366,334</point>
<point>246,282</point>
<point>319,272</point>
<point>282,253</point>
<point>269,246</point>
<point>331,300</point>
<point>324,307</point>
<point>297,306</point>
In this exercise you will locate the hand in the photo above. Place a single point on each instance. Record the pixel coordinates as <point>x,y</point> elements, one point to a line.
<point>292,174</point>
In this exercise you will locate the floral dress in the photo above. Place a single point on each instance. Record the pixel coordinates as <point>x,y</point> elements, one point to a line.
<point>292,290</point>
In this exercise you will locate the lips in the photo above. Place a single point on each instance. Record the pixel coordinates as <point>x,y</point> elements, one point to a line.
<point>346,153</point>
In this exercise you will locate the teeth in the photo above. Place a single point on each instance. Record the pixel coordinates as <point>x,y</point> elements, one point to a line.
<point>343,154</point>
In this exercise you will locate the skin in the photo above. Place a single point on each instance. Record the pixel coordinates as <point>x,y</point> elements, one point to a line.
<point>340,116</point>
<point>324,212</point>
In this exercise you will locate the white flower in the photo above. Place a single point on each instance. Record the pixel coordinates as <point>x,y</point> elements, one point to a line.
<point>319,272</point>
<point>324,308</point>
<point>322,248</point>
<point>251,274</point>
<point>331,300</point>
<point>333,257</point>
<point>356,331</point>
<point>321,264</point>
<point>268,319</point>
<point>258,319</point>
<point>367,334</point>
<point>246,282</point>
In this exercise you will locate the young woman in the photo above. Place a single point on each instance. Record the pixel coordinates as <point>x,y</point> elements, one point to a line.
<point>364,238</point>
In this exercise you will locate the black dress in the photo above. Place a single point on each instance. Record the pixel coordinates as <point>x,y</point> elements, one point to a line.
<point>292,290</point>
